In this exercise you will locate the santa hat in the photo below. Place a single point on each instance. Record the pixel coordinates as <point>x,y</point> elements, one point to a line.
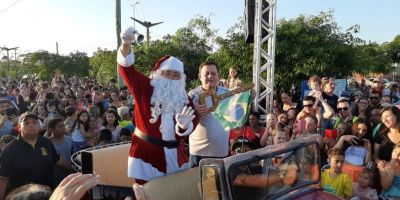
<point>169,62</point>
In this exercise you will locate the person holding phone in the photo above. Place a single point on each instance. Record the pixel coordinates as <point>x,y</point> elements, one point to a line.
<point>5,124</point>
<point>357,149</point>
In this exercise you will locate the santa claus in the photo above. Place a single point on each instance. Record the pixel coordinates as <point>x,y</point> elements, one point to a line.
<point>163,114</point>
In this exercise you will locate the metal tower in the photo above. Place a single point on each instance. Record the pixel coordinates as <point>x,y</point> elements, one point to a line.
<point>264,54</point>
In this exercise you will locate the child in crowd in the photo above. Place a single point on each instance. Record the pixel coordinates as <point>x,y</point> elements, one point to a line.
<point>105,137</point>
<point>363,189</point>
<point>390,175</point>
<point>271,124</point>
<point>333,180</point>
<point>125,135</point>
<point>80,130</point>
<point>110,122</point>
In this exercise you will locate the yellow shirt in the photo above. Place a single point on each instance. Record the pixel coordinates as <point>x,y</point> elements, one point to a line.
<point>341,186</point>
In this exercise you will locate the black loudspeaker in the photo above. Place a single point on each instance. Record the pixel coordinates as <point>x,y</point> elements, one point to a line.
<point>250,6</point>
<point>250,11</point>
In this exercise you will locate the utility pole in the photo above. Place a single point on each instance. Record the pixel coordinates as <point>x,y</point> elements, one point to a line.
<point>118,27</point>
<point>57,48</point>
<point>134,11</point>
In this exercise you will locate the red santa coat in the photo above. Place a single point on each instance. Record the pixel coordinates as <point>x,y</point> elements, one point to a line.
<point>146,160</point>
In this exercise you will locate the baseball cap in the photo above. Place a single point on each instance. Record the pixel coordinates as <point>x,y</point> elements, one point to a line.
<point>27,115</point>
<point>242,141</point>
<point>358,93</point>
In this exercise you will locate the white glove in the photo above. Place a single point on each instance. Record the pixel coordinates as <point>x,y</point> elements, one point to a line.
<point>184,118</point>
<point>128,35</point>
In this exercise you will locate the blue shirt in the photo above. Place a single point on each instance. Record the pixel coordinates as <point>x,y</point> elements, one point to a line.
<point>6,128</point>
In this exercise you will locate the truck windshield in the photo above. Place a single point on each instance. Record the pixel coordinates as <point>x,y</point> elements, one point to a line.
<point>275,175</point>
<point>211,182</point>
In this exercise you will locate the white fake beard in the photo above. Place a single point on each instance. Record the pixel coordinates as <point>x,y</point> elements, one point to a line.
<point>168,96</point>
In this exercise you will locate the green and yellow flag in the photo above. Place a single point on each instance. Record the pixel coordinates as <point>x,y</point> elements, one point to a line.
<point>234,111</point>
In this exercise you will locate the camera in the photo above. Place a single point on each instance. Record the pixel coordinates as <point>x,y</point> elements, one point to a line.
<point>359,142</point>
<point>12,112</point>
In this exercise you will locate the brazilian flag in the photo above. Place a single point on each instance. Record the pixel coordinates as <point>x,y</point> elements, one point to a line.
<point>234,111</point>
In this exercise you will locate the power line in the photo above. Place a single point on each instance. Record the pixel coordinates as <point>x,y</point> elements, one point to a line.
<point>9,6</point>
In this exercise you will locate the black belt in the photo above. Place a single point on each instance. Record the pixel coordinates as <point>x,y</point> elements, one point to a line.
<point>150,139</point>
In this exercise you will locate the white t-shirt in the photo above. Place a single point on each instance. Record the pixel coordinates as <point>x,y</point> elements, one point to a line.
<point>355,155</point>
<point>209,138</point>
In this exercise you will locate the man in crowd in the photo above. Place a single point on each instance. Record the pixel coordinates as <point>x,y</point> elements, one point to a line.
<point>328,94</point>
<point>29,158</point>
<point>209,139</point>
<point>374,99</point>
<point>344,113</point>
<point>157,146</point>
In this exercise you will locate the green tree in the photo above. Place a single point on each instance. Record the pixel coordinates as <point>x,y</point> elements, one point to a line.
<point>103,65</point>
<point>234,52</point>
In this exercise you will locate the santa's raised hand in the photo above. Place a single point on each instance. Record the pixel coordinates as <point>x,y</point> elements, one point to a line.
<point>185,117</point>
<point>128,35</point>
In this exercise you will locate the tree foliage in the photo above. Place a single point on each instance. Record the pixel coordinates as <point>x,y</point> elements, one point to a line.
<point>45,64</point>
<point>103,65</point>
<point>305,46</point>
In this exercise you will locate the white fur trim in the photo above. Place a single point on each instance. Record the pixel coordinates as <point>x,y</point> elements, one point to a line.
<point>187,132</point>
<point>139,169</point>
<point>167,126</point>
<point>171,157</point>
<point>172,63</point>
<point>127,61</point>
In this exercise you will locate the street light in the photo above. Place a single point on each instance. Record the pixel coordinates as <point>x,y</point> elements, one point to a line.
<point>134,6</point>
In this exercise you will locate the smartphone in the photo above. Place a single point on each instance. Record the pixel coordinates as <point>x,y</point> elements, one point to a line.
<point>359,142</point>
<point>12,112</point>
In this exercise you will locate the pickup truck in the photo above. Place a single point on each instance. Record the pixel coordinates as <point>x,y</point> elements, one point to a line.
<point>289,170</point>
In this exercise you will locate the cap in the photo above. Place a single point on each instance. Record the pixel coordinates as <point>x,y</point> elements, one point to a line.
<point>358,93</point>
<point>169,62</point>
<point>27,115</point>
<point>242,141</point>
<point>123,110</point>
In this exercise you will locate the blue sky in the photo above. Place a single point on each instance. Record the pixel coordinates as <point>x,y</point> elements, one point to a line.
<point>85,25</point>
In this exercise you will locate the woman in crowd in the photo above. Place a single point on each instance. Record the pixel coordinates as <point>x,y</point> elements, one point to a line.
<point>389,172</point>
<point>114,101</point>
<point>388,136</point>
<point>254,123</point>
<point>283,124</point>
<point>287,101</point>
<point>41,112</point>
<point>357,149</point>
<point>110,122</point>
<point>361,110</point>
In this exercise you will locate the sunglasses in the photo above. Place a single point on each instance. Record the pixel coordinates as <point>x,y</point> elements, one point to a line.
<point>343,109</point>
<point>374,97</point>
<point>307,105</point>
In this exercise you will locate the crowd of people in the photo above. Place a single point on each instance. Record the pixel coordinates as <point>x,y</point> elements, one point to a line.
<point>42,123</point>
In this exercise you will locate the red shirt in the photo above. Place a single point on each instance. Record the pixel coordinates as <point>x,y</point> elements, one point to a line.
<point>244,131</point>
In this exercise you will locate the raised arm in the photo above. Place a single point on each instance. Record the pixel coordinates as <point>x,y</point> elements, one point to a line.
<point>125,56</point>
